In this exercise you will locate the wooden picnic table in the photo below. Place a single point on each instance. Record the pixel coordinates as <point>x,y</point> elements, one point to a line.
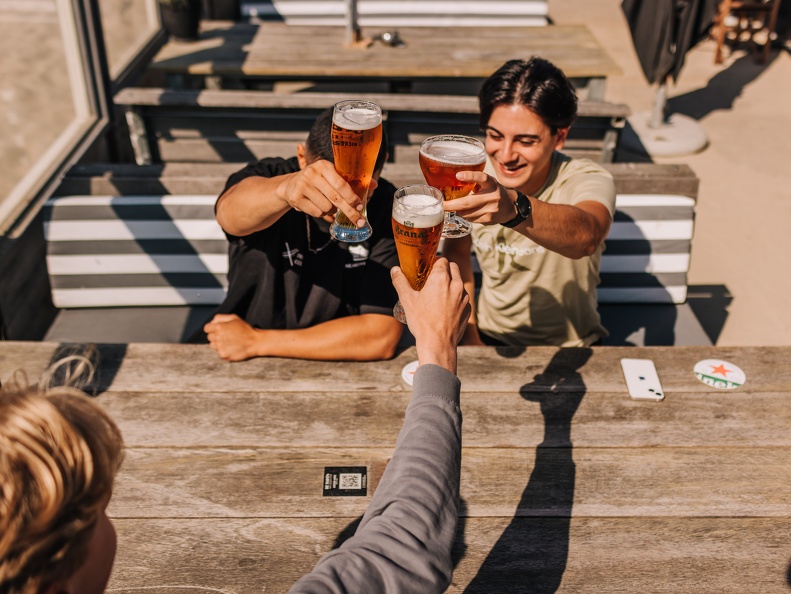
<point>568,484</point>
<point>226,53</point>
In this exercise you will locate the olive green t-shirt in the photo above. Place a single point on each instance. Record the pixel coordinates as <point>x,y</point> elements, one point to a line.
<point>530,295</point>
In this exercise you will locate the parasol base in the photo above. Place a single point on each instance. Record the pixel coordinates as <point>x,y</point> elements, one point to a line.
<point>677,135</point>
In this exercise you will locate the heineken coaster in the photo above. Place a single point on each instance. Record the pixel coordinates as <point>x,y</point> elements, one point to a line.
<point>345,481</point>
<point>719,374</point>
<point>408,372</point>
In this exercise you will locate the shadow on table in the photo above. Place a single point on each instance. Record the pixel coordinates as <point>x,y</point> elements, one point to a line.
<point>106,359</point>
<point>531,555</point>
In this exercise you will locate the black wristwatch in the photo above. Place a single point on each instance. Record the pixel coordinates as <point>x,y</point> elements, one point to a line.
<point>523,210</point>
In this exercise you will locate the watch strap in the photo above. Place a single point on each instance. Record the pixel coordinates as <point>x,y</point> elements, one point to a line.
<point>523,210</point>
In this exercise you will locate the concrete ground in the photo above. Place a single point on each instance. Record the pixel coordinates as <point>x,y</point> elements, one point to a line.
<point>740,277</point>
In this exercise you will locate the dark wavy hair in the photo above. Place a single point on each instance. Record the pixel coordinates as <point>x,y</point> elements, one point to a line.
<point>319,144</point>
<point>537,84</point>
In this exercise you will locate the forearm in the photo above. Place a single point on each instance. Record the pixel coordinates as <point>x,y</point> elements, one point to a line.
<point>253,204</point>
<point>367,337</point>
<point>571,231</point>
<point>404,540</point>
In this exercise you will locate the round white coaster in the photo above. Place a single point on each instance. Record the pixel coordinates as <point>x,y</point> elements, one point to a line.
<point>408,372</point>
<point>719,374</point>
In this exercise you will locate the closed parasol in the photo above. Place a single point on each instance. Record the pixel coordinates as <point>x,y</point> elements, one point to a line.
<point>663,31</point>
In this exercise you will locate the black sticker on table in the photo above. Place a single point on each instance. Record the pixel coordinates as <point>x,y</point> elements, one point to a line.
<point>345,481</point>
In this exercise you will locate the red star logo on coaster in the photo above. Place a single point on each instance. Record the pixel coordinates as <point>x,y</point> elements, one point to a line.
<point>721,369</point>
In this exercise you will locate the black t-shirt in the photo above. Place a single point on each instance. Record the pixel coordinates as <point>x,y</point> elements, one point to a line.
<point>294,275</point>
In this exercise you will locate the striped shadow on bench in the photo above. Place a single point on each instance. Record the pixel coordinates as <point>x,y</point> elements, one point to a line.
<point>647,252</point>
<point>121,251</point>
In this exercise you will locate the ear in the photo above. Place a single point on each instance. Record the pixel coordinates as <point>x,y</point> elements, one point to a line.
<point>560,141</point>
<point>301,159</point>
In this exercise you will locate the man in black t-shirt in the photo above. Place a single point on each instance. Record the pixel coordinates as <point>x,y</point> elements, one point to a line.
<point>293,291</point>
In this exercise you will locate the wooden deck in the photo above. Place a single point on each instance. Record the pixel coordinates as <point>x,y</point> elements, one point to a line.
<point>568,484</point>
<point>227,54</point>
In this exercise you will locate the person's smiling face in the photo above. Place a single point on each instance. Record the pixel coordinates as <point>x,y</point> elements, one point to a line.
<point>520,146</point>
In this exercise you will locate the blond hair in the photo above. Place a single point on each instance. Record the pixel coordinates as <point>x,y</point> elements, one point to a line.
<point>59,454</point>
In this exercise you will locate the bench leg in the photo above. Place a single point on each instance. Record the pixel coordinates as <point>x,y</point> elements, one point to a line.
<point>596,89</point>
<point>138,136</point>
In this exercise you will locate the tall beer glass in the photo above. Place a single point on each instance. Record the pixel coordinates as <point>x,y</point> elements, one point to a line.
<point>441,157</point>
<point>356,136</point>
<point>417,228</point>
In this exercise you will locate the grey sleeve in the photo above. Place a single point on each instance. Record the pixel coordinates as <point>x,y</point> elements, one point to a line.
<point>404,540</point>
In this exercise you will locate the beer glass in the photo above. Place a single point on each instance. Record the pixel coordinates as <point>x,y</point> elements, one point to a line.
<point>441,157</point>
<point>356,136</point>
<point>417,228</point>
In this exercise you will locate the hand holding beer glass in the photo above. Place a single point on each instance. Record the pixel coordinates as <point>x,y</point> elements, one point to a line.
<point>441,157</point>
<point>356,136</point>
<point>417,228</point>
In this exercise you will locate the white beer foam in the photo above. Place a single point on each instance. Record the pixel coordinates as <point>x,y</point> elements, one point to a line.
<point>356,118</point>
<point>431,214</point>
<point>455,152</point>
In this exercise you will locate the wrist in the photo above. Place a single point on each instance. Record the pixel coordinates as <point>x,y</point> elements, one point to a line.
<point>443,355</point>
<point>259,346</point>
<point>523,210</point>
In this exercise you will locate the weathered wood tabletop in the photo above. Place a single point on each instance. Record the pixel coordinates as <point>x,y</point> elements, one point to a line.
<point>276,51</point>
<point>568,484</point>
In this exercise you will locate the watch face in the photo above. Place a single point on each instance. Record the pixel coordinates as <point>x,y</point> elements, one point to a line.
<point>523,206</point>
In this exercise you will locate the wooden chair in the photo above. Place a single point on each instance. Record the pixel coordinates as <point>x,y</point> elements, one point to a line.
<point>745,20</point>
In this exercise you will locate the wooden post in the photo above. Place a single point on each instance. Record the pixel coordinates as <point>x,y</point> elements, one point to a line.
<point>352,30</point>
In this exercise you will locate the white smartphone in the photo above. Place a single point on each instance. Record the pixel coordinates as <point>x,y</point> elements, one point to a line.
<point>642,379</point>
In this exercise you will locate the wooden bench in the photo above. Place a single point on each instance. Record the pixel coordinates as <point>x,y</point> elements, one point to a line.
<point>400,13</point>
<point>111,246</point>
<point>236,126</point>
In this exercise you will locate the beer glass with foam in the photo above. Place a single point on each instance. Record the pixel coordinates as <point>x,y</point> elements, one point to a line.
<point>356,136</point>
<point>417,228</point>
<point>441,157</point>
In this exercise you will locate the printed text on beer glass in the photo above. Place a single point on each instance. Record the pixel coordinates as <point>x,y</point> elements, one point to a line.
<point>417,228</point>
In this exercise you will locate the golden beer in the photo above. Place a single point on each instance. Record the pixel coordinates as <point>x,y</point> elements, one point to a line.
<point>356,137</point>
<point>417,228</point>
<point>441,158</point>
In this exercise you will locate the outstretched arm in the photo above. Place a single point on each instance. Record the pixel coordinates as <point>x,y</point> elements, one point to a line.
<point>404,540</point>
<point>256,202</point>
<point>366,337</point>
<point>574,231</point>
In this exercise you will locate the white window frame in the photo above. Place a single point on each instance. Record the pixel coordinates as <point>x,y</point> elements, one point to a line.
<point>92,92</point>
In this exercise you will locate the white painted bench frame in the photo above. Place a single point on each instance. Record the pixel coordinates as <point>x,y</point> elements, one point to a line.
<point>66,264</point>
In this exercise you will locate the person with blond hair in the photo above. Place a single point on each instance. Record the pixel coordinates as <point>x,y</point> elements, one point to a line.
<point>59,454</point>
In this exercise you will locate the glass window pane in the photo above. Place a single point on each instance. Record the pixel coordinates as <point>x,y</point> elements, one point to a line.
<point>127,26</point>
<point>44,104</point>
